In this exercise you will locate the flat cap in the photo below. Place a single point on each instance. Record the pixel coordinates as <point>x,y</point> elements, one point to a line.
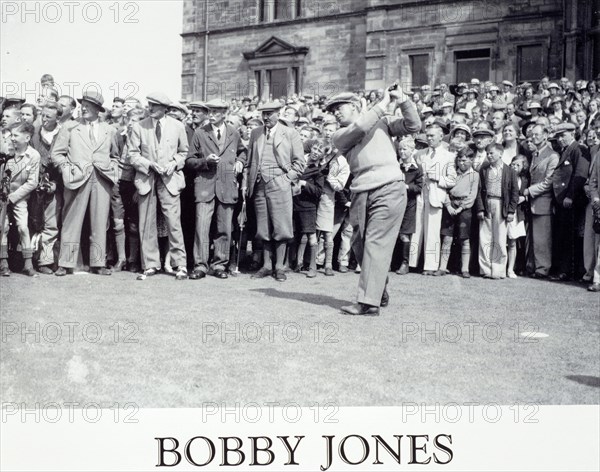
<point>564,127</point>
<point>487,102</point>
<point>421,138</point>
<point>217,104</point>
<point>159,98</point>
<point>463,84</point>
<point>507,82</point>
<point>558,99</point>
<point>494,87</point>
<point>303,120</point>
<point>447,104</point>
<point>426,110</point>
<point>180,106</point>
<point>499,106</point>
<point>533,105</point>
<point>483,132</point>
<point>473,90</point>
<point>475,82</point>
<point>345,97</point>
<point>553,85</point>
<point>525,85</point>
<point>270,106</point>
<point>198,104</point>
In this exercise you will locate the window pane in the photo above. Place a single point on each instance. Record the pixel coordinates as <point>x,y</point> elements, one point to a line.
<point>467,69</point>
<point>419,65</point>
<point>530,62</point>
<point>278,83</point>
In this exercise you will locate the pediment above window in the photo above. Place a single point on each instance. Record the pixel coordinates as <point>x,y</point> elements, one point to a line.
<point>275,47</point>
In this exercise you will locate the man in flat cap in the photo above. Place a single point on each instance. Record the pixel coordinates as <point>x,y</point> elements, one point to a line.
<point>83,156</point>
<point>378,189</point>
<point>158,147</point>
<point>566,185</point>
<point>216,157</point>
<point>508,94</point>
<point>275,162</point>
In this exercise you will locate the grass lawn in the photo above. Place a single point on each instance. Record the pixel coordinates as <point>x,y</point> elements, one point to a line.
<point>442,339</point>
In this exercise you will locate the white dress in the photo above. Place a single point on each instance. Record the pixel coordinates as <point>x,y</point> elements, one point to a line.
<point>339,171</point>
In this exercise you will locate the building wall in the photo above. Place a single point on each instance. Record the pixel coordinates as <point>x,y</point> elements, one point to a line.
<point>367,43</point>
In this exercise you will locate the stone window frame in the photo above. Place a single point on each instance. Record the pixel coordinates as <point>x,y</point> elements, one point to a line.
<point>405,72</point>
<point>544,42</point>
<point>451,51</point>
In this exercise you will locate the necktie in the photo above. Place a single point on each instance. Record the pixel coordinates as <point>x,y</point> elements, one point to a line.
<point>218,134</point>
<point>92,135</point>
<point>158,131</point>
<point>268,134</point>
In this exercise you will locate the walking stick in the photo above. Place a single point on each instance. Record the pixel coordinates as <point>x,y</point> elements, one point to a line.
<point>242,223</point>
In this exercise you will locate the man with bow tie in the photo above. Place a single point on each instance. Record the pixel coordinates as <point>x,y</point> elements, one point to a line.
<point>216,157</point>
<point>158,147</point>
<point>83,156</point>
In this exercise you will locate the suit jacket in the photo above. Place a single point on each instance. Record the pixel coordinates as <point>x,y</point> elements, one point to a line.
<point>145,148</point>
<point>445,170</point>
<point>24,176</point>
<point>215,180</point>
<point>540,172</point>
<point>563,183</point>
<point>76,157</point>
<point>510,191</point>
<point>289,154</point>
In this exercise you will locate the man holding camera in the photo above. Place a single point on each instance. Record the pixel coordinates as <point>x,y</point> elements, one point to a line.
<point>378,189</point>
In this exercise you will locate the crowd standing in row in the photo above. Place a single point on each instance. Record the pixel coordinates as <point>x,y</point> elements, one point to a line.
<point>508,171</point>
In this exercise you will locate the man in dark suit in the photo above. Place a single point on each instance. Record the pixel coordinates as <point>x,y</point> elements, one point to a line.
<point>216,157</point>
<point>275,162</point>
<point>539,193</point>
<point>564,185</point>
<point>83,156</point>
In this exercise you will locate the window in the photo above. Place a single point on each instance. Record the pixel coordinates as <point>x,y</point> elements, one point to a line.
<point>530,63</point>
<point>472,64</point>
<point>273,84</point>
<point>271,10</point>
<point>419,69</point>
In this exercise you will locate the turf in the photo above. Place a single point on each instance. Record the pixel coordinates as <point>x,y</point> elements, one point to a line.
<point>442,339</point>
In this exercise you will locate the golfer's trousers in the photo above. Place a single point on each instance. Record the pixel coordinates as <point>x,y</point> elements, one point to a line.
<point>376,216</point>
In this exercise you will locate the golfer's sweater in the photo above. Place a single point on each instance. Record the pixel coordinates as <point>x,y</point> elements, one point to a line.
<point>369,149</point>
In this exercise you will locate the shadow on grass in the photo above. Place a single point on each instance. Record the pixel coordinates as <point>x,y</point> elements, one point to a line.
<point>588,380</point>
<point>314,298</point>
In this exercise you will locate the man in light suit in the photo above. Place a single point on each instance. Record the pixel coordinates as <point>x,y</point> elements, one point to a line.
<point>439,174</point>
<point>539,193</point>
<point>158,149</point>
<point>275,162</point>
<point>83,156</point>
<point>216,157</point>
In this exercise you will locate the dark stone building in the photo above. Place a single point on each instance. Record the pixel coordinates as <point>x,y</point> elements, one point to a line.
<point>280,47</point>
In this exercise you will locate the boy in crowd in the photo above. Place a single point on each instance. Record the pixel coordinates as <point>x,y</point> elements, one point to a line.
<point>496,205</point>
<point>24,174</point>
